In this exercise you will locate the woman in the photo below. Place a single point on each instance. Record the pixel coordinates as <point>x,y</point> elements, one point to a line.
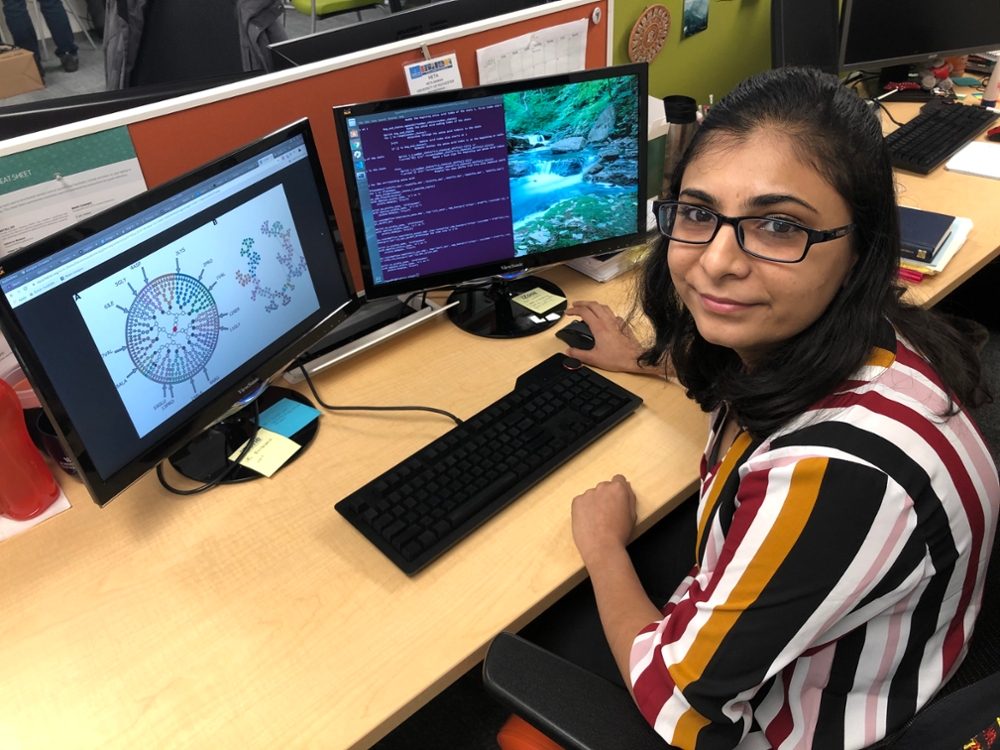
<point>848,503</point>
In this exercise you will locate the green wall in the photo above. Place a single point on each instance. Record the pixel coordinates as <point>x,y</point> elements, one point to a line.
<point>736,44</point>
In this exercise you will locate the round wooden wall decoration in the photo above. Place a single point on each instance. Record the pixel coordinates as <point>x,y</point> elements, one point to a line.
<point>649,34</point>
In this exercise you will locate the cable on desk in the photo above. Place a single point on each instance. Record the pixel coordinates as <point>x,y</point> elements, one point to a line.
<point>885,109</point>
<point>329,407</point>
<point>860,76</point>
<point>446,288</point>
<point>406,302</point>
<point>228,470</point>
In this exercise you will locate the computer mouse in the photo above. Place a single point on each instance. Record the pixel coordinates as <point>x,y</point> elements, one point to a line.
<point>993,134</point>
<point>577,334</point>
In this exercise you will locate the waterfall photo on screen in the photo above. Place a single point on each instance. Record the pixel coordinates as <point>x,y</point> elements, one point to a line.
<point>573,163</point>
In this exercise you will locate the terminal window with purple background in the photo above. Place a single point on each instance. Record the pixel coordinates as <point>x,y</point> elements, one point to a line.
<point>461,184</point>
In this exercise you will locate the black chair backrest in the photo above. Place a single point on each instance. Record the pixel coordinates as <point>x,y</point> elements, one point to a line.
<point>184,40</point>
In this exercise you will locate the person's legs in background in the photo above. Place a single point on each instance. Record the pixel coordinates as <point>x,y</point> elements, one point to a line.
<point>15,12</point>
<point>62,33</point>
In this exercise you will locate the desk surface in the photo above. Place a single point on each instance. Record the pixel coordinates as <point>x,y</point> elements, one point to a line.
<point>947,192</point>
<point>255,617</point>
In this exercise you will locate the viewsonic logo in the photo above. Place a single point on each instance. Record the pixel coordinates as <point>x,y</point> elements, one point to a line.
<point>252,384</point>
<point>511,266</point>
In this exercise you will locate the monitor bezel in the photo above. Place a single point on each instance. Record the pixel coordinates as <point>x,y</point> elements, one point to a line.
<point>322,321</point>
<point>506,266</point>
<point>844,66</point>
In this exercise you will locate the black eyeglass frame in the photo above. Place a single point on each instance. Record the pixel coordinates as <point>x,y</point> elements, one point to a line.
<point>814,236</point>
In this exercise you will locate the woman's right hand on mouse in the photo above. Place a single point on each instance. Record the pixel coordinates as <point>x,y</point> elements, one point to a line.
<point>616,347</point>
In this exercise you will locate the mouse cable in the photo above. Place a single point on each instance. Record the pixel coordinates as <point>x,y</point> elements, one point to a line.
<point>225,473</point>
<point>885,109</point>
<point>406,302</point>
<point>328,407</point>
<point>860,76</point>
<point>446,288</point>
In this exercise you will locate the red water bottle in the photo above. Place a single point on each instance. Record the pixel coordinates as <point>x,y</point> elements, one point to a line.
<point>27,487</point>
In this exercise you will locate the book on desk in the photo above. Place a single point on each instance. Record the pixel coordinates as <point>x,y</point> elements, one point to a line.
<point>938,237</point>
<point>923,233</point>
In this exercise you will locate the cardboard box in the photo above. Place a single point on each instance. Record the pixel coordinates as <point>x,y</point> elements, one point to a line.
<point>18,72</point>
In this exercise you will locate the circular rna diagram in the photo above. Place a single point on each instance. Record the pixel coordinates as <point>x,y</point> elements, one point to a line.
<point>172,328</point>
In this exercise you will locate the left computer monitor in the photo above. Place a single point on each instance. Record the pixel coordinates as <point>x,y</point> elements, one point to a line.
<point>146,324</point>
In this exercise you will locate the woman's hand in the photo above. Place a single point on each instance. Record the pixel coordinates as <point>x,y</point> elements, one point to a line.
<point>603,518</point>
<point>616,348</point>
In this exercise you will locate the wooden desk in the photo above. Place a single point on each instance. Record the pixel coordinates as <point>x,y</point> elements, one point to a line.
<point>254,616</point>
<point>947,192</point>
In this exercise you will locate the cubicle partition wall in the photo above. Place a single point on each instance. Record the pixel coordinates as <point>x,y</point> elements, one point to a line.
<point>175,136</point>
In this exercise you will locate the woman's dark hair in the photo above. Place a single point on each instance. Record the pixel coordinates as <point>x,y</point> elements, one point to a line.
<point>837,132</point>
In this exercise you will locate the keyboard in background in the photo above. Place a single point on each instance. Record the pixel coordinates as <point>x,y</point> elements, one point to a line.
<point>935,135</point>
<point>437,496</point>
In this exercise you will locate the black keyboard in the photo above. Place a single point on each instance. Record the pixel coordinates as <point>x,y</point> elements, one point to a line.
<point>433,499</point>
<point>933,136</point>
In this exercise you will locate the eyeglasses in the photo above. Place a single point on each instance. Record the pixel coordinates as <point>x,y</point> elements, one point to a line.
<point>777,240</point>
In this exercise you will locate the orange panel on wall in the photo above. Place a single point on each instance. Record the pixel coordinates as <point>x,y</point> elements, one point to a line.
<point>175,143</point>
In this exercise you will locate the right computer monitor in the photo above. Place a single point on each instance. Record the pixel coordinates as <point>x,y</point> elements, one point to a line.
<point>488,183</point>
<point>883,33</point>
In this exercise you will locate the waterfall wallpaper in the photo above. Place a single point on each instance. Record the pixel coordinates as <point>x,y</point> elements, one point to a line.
<point>573,163</point>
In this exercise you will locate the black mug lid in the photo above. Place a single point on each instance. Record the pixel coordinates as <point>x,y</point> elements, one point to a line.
<point>680,109</point>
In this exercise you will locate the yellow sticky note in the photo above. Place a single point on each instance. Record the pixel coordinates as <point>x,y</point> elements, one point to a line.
<point>538,300</point>
<point>269,453</point>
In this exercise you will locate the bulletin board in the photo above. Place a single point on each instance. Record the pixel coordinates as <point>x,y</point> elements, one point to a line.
<point>174,143</point>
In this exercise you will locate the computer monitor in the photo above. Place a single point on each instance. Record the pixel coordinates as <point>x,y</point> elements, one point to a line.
<point>805,32</point>
<point>30,117</point>
<point>406,24</point>
<point>148,323</point>
<point>488,183</point>
<point>884,34</point>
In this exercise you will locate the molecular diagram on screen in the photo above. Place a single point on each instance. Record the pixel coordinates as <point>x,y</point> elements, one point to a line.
<point>172,329</point>
<point>286,257</point>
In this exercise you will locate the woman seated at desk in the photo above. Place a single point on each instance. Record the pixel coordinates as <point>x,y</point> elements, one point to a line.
<point>848,503</point>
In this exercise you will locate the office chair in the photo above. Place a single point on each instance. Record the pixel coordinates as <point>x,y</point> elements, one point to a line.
<point>582,711</point>
<point>325,8</point>
<point>186,40</point>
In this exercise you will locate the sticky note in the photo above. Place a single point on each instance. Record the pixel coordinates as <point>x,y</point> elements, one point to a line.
<point>538,300</point>
<point>269,453</point>
<point>287,417</point>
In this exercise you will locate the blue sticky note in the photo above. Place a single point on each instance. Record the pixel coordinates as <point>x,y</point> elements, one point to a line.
<point>287,417</point>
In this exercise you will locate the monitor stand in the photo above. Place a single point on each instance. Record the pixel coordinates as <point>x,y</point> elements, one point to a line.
<point>207,455</point>
<point>900,74</point>
<point>491,311</point>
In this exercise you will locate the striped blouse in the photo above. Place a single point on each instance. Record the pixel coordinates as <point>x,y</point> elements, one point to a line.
<point>840,566</point>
